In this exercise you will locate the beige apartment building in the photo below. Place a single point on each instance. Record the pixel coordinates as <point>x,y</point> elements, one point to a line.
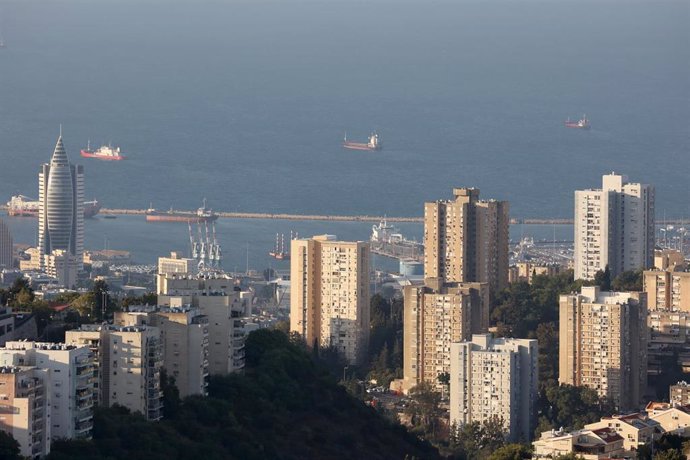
<point>603,344</point>
<point>526,271</point>
<point>329,294</point>
<point>668,289</point>
<point>636,429</point>
<point>466,239</point>
<point>71,391</point>
<point>184,335</point>
<point>63,266</point>
<point>495,377</point>
<point>175,264</point>
<point>436,315</point>
<point>129,359</point>
<point>602,443</point>
<point>614,226</point>
<point>679,394</point>
<point>217,297</point>
<point>24,408</point>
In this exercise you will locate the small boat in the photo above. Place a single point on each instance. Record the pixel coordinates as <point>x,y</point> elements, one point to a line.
<point>582,123</point>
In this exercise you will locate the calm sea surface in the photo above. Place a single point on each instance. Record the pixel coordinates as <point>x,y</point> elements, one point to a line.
<point>245,103</point>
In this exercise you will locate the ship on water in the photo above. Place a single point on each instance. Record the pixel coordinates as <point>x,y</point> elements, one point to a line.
<point>105,153</point>
<point>582,123</point>
<point>23,206</point>
<point>386,240</point>
<point>279,252</point>
<point>374,143</point>
<point>203,214</point>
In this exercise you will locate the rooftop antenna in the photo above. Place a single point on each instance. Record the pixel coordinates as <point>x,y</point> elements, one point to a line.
<point>60,129</point>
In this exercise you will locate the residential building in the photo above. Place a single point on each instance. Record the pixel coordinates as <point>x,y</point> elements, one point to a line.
<point>668,259</point>
<point>614,226</point>
<point>603,344</point>
<point>217,297</point>
<point>669,334</point>
<point>184,335</point>
<point>436,315</point>
<point>6,247</point>
<point>679,394</point>
<point>329,294</point>
<point>61,207</point>
<point>636,429</point>
<point>89,336</point>
<point>62,265</point>
<point>25,408</point>
<point>495,377</point>
<point>466,239</point>
<point>33,263</point>
<point>668,289</point>
<point>71,387</point>
<point>603,443</point>
<point>526,271</point>
<point>175,264</point>
<point>671,419</point>
<point>129,359</point>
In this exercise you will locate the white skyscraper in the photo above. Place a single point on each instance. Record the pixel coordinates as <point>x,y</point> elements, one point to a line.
<point>614,226</point>
<point>61,210</point>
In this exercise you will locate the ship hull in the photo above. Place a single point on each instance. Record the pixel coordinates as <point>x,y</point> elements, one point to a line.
<point>359,146</point>
<point>179,218</point>
<point>89,211</point>
<point>87,154</point>
<point>576,126</point>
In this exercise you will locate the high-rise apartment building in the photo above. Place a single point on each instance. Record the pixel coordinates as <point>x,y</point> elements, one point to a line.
<point>71,388</point>
<point>61,209</point>
<point>6,247</point>
<point>184,335</point>
<point>495,378</point>
<point>614,226</point>
<point>466,239</point>
<point>129,359</point>
<point>435,316</point>
<point>329,294</point>
<point>603,344</point>
<point>217,297</point>
<point>60,265</point>
<point>24,408</point>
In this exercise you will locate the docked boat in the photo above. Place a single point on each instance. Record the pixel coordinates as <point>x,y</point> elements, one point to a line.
<point>582,123</point>
<point>105,152</point>
<point>23,206</point>
<point>374,143</point>
<point>203,214</point>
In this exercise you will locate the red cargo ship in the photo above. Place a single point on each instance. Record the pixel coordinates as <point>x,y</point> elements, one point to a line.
<point>106,153</point>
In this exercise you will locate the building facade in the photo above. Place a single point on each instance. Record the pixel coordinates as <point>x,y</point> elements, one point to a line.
<point>603,344</point>
<point>24,408</point>
<point>129,363</point>
<point>492,377</point>
<point>217,297</point>
<point>71,390</point>
<point>175,264</point>
<point>6,247</point>
<point>436,315</point>
<point>61,208</point>
<point>614,226</point>
<point>668,290</point>
<point>329,294</point>
<point>466,239</point>
<point>185,343</point>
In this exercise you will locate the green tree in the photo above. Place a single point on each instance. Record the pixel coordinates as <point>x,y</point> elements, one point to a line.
<point>9,447</point>
<point>673,454</point>
<point>603,279</point>
<point>628,281</point>
<point>511,452</point>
